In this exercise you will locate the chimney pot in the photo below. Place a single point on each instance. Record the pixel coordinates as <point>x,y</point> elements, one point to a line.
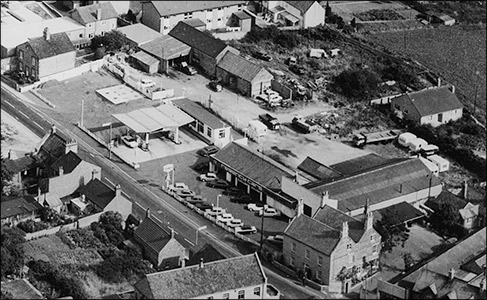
<point>370,221</point>
<point>53,128</point>
<point>10,154</point>
<point>93,174</point>
<point>98,14</point>
<point>172,233</point>
<point>439,81</point>
<point>147,213</point>
<point>61,171</point>
<point>451,273</point>
<point>118,190</point>
<point>83,198</point>
<point>300,207</point>
<point>324,198</point>
<point>47,34</point>
<point>201,263</point>
<point>465,190</point>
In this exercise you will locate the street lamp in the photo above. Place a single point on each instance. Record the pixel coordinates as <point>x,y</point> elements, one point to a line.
<point>110,140</point>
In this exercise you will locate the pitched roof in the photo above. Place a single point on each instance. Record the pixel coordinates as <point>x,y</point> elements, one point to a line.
<point>145,58</point>
<point>168,8</point>
<point>21,289</point>
<point>302,6</point>
<point>68,161</point>
<point>377,185</point>
<point>195,22</point>
<point>139,33</point>
<point>313,233</point>
<point>335,218</point>
<point>242,15</point>
<point>402,212</point>
<point>214,277</point>
<point>441,285</point>
<point>166,47</point>
<point>208,253</point>
<point>57,44</point>
<point>152,234</point>
<point>197,39</point>
<point>98,193</point>
<point>253,165</point>
<point>198,112</point>
<point>446,197</point>
<point>240,67</point>
<point>53,145</point>
<point>20,164</point>
<point>317,169</point>
<point>469,211</point>
<point>432,101</point>
<point>19,206</point>
<point>87,14</point>
<point>361,163</point>
<point>475,264</point>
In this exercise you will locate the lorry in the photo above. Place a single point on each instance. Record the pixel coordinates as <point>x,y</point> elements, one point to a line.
<point>304,125</point>
<point>361,139</point>
<point>270,121</point>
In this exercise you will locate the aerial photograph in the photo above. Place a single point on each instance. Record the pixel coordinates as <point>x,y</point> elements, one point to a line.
<point>243,149</point>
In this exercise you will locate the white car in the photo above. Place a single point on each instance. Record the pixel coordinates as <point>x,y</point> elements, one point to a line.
<point>235,223</point>
<point>215,211</point>
<point>185,193</point>
<point>256,207</point>
<point>245,229</point>
<point>224,218</point>
<point>178,186</point>
<point>269,212</point>
<point>276,239</point>
<point>130,141</point>
<point>207,177</point>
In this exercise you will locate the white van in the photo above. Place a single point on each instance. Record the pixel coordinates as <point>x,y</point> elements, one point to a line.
<point>417,144</point>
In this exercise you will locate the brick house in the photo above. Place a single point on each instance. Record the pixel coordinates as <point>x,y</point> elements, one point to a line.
<point>98,18</point>
<point>206,51</point>
<point>160,246</point>
<point>331,244</point>
<point>163,16</point>
<point>433,106</point>
<point>19,209</point>
<point>243,75</point>
<point>46,55</point>
<point>302,14</point>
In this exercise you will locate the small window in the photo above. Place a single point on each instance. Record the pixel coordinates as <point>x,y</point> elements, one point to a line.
<point>220,8</point>
<point>406,111</point>
<point>241,294</point>
<point>320,260</point>
<point>33,61</point>
<point>257,291</point>
<point>21,54</point>
<point>349,246</point>
<point>33,72</point>
<point>208,21</point>
<point>219,19</point>
<point>102,33</point>
<point>209,131</point>
<point>208,10</point>
<point>90,25</point>
<point>306,253</point>
<point>318,274</point>
<point>226,296</point>
<point>222,134</point>
<point>166,27</point>
<point>166,17</point>
<point>291,261</point>
<point>81,35</point>
<point>200,127</point>
<point>293,247</point>
<point>90,35</point>
<point>374,248</point>
<point>371,237</point>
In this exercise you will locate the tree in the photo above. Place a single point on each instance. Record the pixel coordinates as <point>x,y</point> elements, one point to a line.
<point>358,84</point>
<point>328,9</point>
<point>112,40</point>
<point>445,217</point>
<point>408,261</point>
<point>6,174</point>
<point>12,252</point>
<point>113,218</point>
<point>353,23</point>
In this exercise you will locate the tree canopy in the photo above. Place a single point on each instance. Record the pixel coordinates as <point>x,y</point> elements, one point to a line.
<point>359,84</point>
<point>12,252</point>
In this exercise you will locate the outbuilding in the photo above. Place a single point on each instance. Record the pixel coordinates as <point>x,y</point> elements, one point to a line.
<point>443,164</point>
<point>146,62</point>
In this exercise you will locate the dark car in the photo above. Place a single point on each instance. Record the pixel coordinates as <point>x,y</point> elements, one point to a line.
<point>218,184</point>
<point>243,199</point>
<point>232,191</point>
<point>203,206</point>
<point>216,86</point>
<point>262,55</point>
<point>208,150</point>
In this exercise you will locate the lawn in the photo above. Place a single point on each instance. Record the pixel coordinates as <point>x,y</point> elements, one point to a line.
<point>38,248</point>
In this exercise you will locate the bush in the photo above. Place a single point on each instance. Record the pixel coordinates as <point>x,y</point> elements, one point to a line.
<point>32,226</point>
<point>358,84</point>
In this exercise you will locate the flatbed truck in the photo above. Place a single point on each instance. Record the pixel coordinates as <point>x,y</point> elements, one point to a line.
<point>361,139</point>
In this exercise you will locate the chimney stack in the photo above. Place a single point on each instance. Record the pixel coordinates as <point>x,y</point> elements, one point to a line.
<point>118,190</point>
<point>482,285</point>
<point>53,128</point>
<point>61,171</point>
<point>300,208</point>
<point>39,192</point>
<point>147,213</point>
<point>451,274</point>
<point>452,89</point>
<point>439,81</point>
<point>201,263</point>
<point>366,208</point>
<point>46,34</point>
<point>465,189</point>
<point>9,154</point>
<point>93,174</point>
<point>83,198</point>
<point>296,176</point>
<point>172,233</point>
<point>98,14</point>
<point>369,221</point>
<point>344,232</point>
<point>324,198</point>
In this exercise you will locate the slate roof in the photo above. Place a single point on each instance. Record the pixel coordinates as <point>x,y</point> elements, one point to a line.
<point>166,47</point>
<point>169,8</point>
<point>197,39</point>
<point>446,197</point>
<point>475,264</point>
<point>87,14</point>
<point>378,184</point>
<point>313,233</point>
<point>432,101</point>
<point>152,234</point>
<point>52,145</point>
<point>469,211</point>
<point>335,218</point>
<point>19,206</point>
<point>208,253</point>
<point>21,164</point>
<point>317,169</point>
<point>69,162</point>
<point>21,289</point>
<point>57,44</point>
<point>361,163</point>
<point>253,165</point>
<point>198,112</point>
<point>302,6</point>
<point>195,22</point>
<point>193,281</point>
<point>98,193</point>
<point>139,33</point>
<point>402,212</point>
<point>441,285</point>
<point>240,67</point>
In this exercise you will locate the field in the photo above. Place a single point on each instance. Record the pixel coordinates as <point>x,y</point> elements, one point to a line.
<point>456,53</point>
<point>350,9</point>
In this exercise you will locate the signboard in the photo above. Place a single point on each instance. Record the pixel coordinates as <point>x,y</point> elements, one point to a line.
<point>168,168</point>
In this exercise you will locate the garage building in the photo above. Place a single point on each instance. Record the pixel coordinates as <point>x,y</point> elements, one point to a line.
<point>168,50</point>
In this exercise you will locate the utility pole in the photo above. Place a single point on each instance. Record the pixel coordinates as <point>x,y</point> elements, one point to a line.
<point>262,231</point>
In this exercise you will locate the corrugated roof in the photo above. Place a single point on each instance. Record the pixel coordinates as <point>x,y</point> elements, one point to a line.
<point>198,112</point>
<point>359,164</point>
<point>446,197</point>
<point>166,47</point>
<point>313,233</point>
<point>318,170</point>
<point>378,184</point>
<point>139,33</point>
<point>402,212</point>
<point>302,6</point>
<point>197,39</point>
<point>57,44</point>
<point>193,281</point>
<point>240,67</point>
<point>253,165</point>
<point>87,14</point>
<point>98,193</point>
<point>68,161</point>
<point>432,101</point>
<point>145,58</point>
<point>169,8</point>
<point>152,234</point>
<point>19,206</point>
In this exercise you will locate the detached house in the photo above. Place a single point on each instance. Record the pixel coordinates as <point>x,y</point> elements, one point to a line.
<point>331,244</point>
<point>46,55</point>
<point>302,14</point>
<point>162,16</point>
<point>433,106</point>
<point>98,19</point>
<point>53,145</point>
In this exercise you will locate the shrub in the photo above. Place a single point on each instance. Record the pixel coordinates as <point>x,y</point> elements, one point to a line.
<point>32,226</point>
<point>358,84</point>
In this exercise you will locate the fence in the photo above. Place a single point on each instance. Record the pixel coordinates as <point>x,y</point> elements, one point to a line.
<point>150,92</point>
<point>283,90</point>
<point>383,100</point>
<point>80,223</point>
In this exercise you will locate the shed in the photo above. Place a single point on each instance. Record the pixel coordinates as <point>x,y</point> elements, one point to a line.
<point>318,53</point>
<point>431,165</point>
<point>405,138</point>
<point>147,63</point>
<point>416,144</point>
<point>257,128</point>
<point>443,164</point>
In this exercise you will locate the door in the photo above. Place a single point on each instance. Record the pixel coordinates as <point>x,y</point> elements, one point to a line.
<point>440,118</point>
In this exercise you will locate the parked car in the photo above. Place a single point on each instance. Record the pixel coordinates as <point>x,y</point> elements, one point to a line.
<point>215,211</point>
<point>276,239</point>
<point>256,206</point>
<point>262,55</point>
<point>185,193</point>
<point>184,67</point>
<point>244,198</point>
<point>235,223</point>
<point>196,199</point>
<point>215,86</point>
<point>208,177</point>
<point>208,150</point>
<point>269,212</point>
<point>218,184</point>
<point>178,186</point>
<point>232,191</point>
<point>224,218</point>
<point>246,229</point>
<point>203,206</point>
<point>130,141</point>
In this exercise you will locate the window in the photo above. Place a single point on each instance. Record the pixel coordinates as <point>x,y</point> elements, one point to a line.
<point>81,35</point>
<point>21,66</point>
<point>374,248</point>
<point>208,21</point>
<point>293,247</point>
<point>220,8</point>
<point>320,260</point>
<point>200,127</point>
<point>209,131</point>
<point>371,237</point>
<point>33,72</point>
<point>291,262</point>
<point>33,61</point>
<point>208,10</point>
<point>406,111</point>
<point>90,35</point>
<point>166,17</point>
<point>318,274</point>
<point>349,246</point>
<point>222,134</point>
<point>102,33</point>
<point>306,253</point>
<point>241,294</point>
<point>226,296</point>
<point>257,291</point>
<point>219,19</point>
<point>21,55</point>
<point>90,25</point>
<point>166,27</point>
